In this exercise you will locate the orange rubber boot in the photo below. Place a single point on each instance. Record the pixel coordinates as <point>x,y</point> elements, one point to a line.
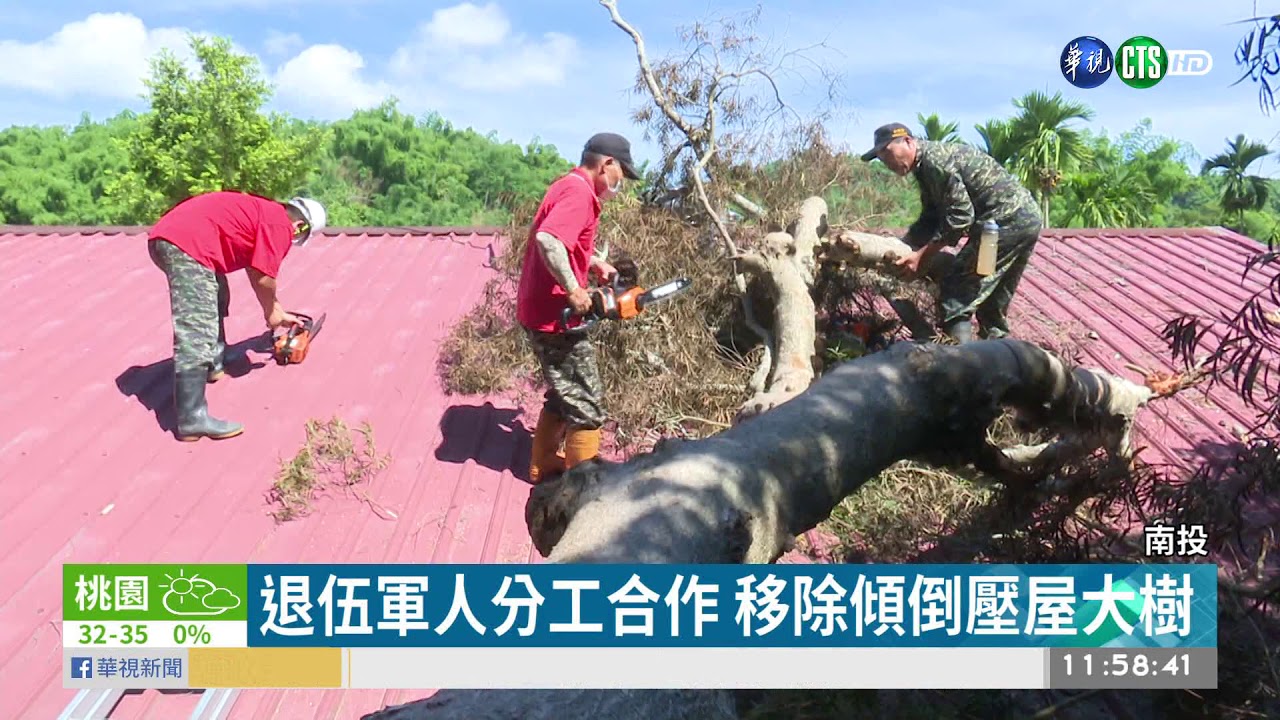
<point>546,439</point>
<point>580,446</point>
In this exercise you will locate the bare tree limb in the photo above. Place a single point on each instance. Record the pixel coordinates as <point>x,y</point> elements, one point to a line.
<point>646,70</point>
<point>786,261</point>
<point>782,473</point>
<point>755,210</point>
<point>695,135</point>
<point>865,249</point>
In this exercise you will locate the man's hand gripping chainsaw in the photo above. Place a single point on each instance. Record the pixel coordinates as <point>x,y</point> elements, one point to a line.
<point>291,347</point>
<point>620,302</point>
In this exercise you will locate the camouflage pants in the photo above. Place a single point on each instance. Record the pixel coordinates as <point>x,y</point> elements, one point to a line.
<point>199,300</point>
<point>963,293</point>
<point>575,392</point>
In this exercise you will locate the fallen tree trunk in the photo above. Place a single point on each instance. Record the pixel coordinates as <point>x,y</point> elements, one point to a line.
<point>742,496</point>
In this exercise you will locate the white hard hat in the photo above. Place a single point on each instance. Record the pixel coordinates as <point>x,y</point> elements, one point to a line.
<point>313,212</point>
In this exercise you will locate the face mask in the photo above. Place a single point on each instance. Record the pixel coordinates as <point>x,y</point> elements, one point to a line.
<point>301,235</point>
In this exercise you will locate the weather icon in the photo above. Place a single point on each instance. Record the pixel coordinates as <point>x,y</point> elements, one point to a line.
<point>196,596</point>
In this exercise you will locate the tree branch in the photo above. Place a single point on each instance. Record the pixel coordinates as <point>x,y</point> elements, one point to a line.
<point>646,70</point>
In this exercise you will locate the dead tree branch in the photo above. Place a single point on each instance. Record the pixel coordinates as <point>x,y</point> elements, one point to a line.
<point>702,140</point>
<point>784,261</point>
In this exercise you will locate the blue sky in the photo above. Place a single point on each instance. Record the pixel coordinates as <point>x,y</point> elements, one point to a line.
<point>559,70</point>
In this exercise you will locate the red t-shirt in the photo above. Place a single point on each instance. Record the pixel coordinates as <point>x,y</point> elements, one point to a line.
<point>571,212</point>
<point>229,231</point>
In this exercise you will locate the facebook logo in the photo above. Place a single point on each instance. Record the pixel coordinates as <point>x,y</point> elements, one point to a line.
<point>81,668</point>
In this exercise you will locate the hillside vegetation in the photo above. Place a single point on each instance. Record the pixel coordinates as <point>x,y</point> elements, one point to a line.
<point>381,166</point>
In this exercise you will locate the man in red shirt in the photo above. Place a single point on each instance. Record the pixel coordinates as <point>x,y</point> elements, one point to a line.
<point>197,243</point>
<point>559,255</point>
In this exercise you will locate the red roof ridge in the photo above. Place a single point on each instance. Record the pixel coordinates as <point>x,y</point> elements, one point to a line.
<point>1187,231</point>
<point>414,230</point>
<point>1147,232</point>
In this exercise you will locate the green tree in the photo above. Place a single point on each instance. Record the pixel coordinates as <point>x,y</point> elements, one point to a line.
<point>1241,192</point>
<point>935,129</point>
<point>1045,146</point>
<point>58,175</point>
<point>386,167</point>
<point>206,132</point>
<point>1140,179</point>
<point>1114,194</point>
<point>998,141</point>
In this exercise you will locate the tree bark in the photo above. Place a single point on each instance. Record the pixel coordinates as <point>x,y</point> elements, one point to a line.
<point>743,495</point>
<point>786,261</point>
<point>566,705</point>
<point>865,249</point>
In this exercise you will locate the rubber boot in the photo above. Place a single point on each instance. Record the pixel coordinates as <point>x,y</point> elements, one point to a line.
<point>912,319</point>
<point>217,370</point>
<point>543,460</point>
<point>581,446</point>
<point>194,421</point>
<point>961,331</point>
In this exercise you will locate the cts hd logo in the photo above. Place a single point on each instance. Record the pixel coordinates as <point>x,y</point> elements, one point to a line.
<point>1141,62</point>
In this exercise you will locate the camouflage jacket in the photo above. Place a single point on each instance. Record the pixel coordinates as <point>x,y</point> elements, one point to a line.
<point>962,186</point>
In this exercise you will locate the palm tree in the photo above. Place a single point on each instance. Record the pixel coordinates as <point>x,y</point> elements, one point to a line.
<point>998,141</point>
<point>1046,147</point>
<point>935,129</point>
<point>1114,195</point>
<point>1240,192</point>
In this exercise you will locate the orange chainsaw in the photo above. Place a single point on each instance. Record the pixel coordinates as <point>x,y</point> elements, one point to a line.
<point>291,347</point>
<point>618,302</point>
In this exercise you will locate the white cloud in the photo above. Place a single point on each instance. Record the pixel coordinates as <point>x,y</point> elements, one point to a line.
<point>455,54</point>
<point>104,55</point>
<point>522,66</point>
<point>898,70</point>
<point>203,6</point>
<point>278,43</point>
<point>472,48</point>
<point>329,80</point>
<point>467,25</point>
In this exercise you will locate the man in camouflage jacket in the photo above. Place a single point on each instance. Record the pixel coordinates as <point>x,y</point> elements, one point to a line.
<point>961,188</point>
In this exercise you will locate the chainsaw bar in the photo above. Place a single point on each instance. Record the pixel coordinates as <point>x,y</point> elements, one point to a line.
<point>315,327</point>
<point>663,291</point>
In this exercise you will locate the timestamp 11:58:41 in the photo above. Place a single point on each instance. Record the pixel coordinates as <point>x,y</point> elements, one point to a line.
<point>1133,668</point>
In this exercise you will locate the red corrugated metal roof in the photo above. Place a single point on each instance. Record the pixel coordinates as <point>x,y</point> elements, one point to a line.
<point>83,354</point>
<point>1111,292</point>
<point>1107,294</point>
<point>89,475</point>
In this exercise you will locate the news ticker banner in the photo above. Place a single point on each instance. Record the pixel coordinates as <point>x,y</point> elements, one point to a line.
<point>637,626</point>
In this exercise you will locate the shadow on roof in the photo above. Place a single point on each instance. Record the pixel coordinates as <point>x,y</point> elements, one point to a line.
<point>152,384</point>
<point>489,435</point>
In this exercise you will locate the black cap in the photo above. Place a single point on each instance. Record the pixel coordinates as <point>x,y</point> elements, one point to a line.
<point>886,134</point>
<point>616,147</point>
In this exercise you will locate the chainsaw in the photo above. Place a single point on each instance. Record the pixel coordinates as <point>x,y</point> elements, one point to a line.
<point>620,302</point>
<point>291,347</point>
